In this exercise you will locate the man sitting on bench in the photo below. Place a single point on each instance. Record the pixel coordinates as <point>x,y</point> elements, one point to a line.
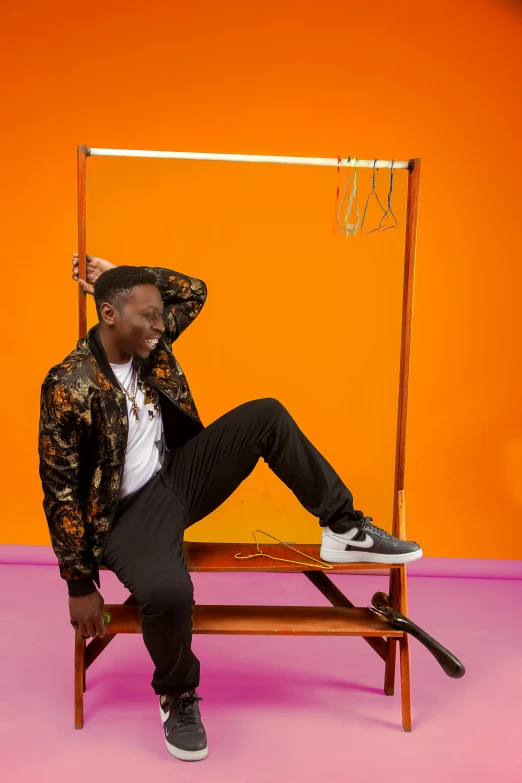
<point>127,465</point>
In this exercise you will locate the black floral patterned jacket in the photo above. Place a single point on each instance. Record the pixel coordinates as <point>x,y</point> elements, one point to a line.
<point>84,426</point>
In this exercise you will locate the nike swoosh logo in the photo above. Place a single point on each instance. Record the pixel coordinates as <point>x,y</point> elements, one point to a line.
<point>366,544</point>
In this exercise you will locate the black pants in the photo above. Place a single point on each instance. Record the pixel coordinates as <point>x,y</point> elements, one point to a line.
<point>145,545</point>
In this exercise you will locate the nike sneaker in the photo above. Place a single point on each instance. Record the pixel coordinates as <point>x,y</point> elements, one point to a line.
<point>185,736</point>
<point>363,542</point>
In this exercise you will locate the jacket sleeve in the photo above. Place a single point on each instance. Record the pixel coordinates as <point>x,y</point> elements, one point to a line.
<point>183,296</point>
<point>60,434</point>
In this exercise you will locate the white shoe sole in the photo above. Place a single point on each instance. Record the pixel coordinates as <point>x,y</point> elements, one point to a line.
<point>340,556</point>
<point>178,753</point>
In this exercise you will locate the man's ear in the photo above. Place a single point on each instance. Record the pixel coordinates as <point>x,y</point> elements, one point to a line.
<point>108,313</point>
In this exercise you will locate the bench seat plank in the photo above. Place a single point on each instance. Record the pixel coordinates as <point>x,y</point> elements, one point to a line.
<point>219,557</point>
<point>266,620</point>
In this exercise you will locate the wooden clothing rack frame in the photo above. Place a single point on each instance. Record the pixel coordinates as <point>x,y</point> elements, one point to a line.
<point>342,618</point>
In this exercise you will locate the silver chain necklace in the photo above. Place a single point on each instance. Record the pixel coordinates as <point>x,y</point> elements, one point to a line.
<point>132,394</point>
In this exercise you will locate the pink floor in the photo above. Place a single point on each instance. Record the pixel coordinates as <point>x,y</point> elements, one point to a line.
<point>275,709</point>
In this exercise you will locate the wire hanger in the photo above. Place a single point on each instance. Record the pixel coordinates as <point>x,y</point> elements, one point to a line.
<point>340,210</point>
<point>259,553</point>
<point>373,192</point>
<point>352,211</point>
<point>389,211</point>
<point>335,228</point>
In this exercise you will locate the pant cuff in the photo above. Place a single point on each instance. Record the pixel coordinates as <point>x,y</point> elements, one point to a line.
<point>172,690</point>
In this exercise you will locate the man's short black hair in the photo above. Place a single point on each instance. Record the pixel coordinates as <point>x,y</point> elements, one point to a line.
<point>115,286</point>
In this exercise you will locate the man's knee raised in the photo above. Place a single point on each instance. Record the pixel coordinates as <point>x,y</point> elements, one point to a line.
<point>168,595</point>
<point>271,406</point>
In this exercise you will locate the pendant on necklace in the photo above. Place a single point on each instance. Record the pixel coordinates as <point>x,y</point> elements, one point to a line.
<point>135,410</point>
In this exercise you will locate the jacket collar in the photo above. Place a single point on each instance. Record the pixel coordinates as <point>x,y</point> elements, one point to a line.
<point>95,346</point>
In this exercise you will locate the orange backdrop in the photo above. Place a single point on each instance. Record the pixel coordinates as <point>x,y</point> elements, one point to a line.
<point>293,311</point>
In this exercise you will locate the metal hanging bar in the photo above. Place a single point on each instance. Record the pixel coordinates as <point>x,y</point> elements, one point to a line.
<point>344,163</point>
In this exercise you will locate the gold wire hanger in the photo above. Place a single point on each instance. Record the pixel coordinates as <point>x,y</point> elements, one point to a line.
<point>351,217</point>
<point>259,553</point>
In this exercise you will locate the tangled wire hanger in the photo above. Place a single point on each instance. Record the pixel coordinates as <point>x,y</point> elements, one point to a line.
<point>259,553</point>
<point>373,192</point>
<point>389,211</point>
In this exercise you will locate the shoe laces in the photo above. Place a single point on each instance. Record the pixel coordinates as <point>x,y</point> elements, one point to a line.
<point>366,525</point>
<point>185,709</point>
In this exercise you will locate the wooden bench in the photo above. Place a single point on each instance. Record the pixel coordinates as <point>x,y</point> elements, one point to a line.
<point>340,619</point>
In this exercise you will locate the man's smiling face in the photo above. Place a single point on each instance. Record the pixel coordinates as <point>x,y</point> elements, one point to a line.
<point>137,324</point>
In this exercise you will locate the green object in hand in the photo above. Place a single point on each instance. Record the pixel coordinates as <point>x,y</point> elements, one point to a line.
<point>106,618</point>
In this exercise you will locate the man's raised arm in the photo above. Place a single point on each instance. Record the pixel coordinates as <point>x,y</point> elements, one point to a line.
<point>183,296</point>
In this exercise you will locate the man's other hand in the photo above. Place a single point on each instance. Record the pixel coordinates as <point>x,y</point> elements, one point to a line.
<point>87,614</point>
<point>95,267</point>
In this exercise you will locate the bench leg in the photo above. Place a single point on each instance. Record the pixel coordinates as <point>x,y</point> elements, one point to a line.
<point>391,644</point>
<point>405,682</point>
<point>404,646</point>
<point>389,669</point>
<point>79,679</point>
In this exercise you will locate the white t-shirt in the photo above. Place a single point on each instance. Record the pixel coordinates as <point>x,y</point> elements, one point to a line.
<point>145,444</point>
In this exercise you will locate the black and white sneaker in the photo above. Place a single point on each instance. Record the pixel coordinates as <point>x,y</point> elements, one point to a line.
<point>185,736</point>
<point>366,543</point>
